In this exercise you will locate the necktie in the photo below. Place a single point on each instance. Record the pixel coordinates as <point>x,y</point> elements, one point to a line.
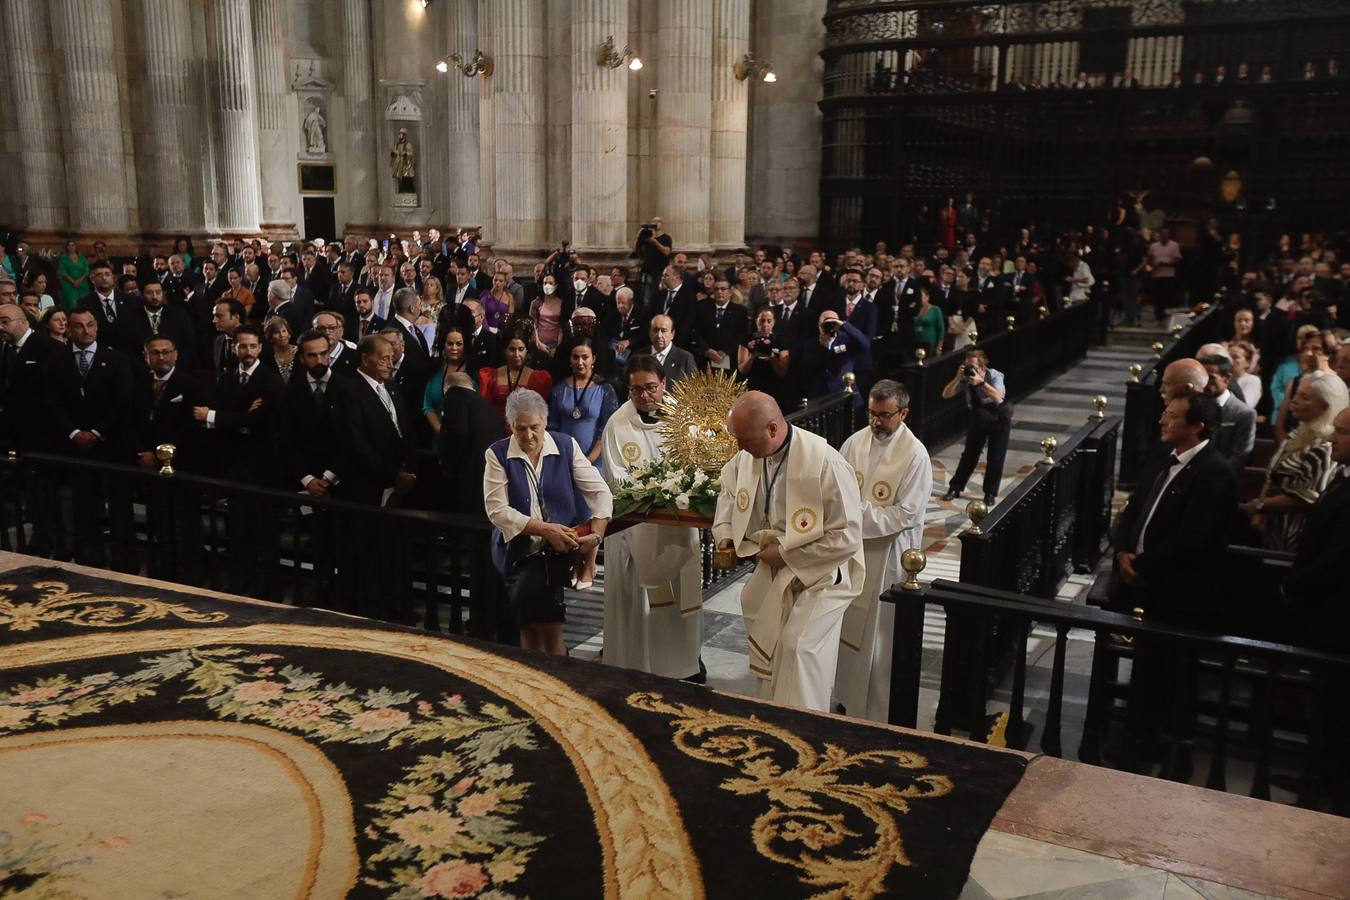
<point>318,392</point>
<point>159,388</point>
<point>84,363</point>
<point>243,378</point>
<point>670,298</point>
<point>154,322</point>
<point>718,314</point>
<point>383,394</point>
<point>421,339</point>
<point>787,314</point>
<point>848,312</point>
<point>110,310</point>
<point>383,310</point>
<point>227,352</point>
<point>1145,511</point>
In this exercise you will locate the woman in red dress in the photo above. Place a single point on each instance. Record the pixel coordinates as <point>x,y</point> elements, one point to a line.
<point>947,225</point>
<point>497,384</point>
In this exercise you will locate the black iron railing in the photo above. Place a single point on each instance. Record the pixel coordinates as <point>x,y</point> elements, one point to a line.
<point>1265,697</point>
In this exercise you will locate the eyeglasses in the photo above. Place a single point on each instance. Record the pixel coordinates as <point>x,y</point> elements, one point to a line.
<point>646,390</point>
<point>881,416</point>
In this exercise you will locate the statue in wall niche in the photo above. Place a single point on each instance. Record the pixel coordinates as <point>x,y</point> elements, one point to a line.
<point>316,131</point>
<point>402,164</point>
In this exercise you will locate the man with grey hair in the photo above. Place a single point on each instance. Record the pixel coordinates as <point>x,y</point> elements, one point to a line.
<point>625,326</point>
<point>895,477</point>
<point>1236,434</point>
<point>280,305</point>
<point>417,364</point>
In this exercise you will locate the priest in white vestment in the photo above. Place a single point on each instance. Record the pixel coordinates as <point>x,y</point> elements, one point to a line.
<point>895,477</point>
<point>790,501</point>
<point>653,573</point>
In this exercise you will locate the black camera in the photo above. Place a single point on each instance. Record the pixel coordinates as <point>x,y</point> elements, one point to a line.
<point>830,326</point>
<point>969,370</point>
<point>762,347</point>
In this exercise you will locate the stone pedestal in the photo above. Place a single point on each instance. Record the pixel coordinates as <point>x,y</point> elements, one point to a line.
<point>599,131</point>
<point>39,161</point>
<point>683,59</point>
<point>730,98</point>
<point>91,100</point>
<point>357,78</point>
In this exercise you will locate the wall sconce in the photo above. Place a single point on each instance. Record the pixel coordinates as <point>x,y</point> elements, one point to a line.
<point>609,57</point>
<point>748,67</point>
<point>479,65</point>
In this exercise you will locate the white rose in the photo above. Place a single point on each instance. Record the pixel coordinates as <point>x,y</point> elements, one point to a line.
<point>681,501</point>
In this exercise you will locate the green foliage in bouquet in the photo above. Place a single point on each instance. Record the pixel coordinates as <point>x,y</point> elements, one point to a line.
<point>661,486</point>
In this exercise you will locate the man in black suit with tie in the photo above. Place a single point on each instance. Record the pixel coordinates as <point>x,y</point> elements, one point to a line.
<point>342,356</point>
<point>314,274</point>
<point>155,316</point>
<point>375,465</point>
<point>92,419</point>
<point>179,282</point>
<point>342,293</point>
<point>991,304</point>
<point>165,397</point>
<point>626,326</point>
<point>720,328</point>
<point>242,429</point>
<point>675,299</point>
<point>469,425</point>
<point>364,322</point>
<point>417,364</point>
<point>214,283</point>
<point>307,445</point>
<point>860,312</point>
<point>485,345</point>
<point>461,288</point>
<point>1172,541</point>
<point>281,306</point>
<point>227,319</point>
<point>29,362</point>
<point>106,303</point>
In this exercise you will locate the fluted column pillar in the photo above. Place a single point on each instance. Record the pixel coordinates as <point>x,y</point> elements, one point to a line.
<point>358,74</point>
<point>167,189</point>
<point>41,187</point>
<point>82,34</point>
<point>730,111</point>
<point>519,127</point>
<point>599,129</point>
<point>487,127</point>
<point>274,146</point>
<point>233,113</point>
<point>684,120</point>
<point>461,30</point>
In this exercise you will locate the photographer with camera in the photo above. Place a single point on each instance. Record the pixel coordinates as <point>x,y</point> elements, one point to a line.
<point>836,351</point>
<point>990,419</point>
<point>652,248</point>
<point>763,361</point>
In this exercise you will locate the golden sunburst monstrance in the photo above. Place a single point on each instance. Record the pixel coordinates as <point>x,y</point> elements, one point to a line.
<point>694,421</point>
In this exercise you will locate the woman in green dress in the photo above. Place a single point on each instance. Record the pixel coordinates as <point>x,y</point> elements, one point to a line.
<point>72,272</point>
<point>930,326</point>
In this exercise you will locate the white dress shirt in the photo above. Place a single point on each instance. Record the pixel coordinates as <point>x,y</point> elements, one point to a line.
<point>1182,460</point>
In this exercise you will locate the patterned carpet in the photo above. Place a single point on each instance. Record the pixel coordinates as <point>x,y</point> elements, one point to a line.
<point>160,743</point>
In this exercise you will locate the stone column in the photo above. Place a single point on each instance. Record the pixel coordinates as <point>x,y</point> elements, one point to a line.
<point>730,110</point>
<point>461,30</point>
<point>599,129</point>
<point>40,163</point>
<point>684,120</point>
<point>784,171</point>
<point>519,128</point>
<point>82,33</point>
<point>277,161</point>
<point>233,111</point>
<point>170,195</point>
<point>357,78</point>
<point>487,127</point>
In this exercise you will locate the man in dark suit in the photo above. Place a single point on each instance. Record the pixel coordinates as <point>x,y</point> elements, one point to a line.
<point>29,362</point>
<point>720,328</point>
<point>281,306</point>
<point>342,356</point>
<point>92,419</point>
<point>477,277</point>
<point>676,361</point>
<point>155,316</point>
<point>227,319</point>
<point>165,397</point>
<point>1172,543</point>
<point>214,283</point>
<point>991,299</point>
<point>178,283</point>
<point>626,326</point>
<point>861,313</point>
<point>485,345</point>
<point>1236,435</point>
<point>314,274</point>
<point>833,353</point>
<point>106,303</point>
<point>675,299</point>
<point>469,426</point>
<point>461,289</point>
<point>417,364</point>
<point>364,322</point>
<point>342,292</point>
<point>307,445</point>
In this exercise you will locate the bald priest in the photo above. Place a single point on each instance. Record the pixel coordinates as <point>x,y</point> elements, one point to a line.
<point>791,502</point>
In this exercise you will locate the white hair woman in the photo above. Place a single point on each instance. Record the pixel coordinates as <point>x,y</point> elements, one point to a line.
<point>548,506</point>
<point>1302,467</point>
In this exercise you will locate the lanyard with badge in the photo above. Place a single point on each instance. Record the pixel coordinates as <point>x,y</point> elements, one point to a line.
<point>778,470</point>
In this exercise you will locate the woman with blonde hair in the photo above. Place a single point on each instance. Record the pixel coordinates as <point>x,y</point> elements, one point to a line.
<point>1302,467</point>
<point>433,299</point>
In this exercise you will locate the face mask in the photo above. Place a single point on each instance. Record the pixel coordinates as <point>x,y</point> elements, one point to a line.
<point>579,285</point>
<point>549,289</point>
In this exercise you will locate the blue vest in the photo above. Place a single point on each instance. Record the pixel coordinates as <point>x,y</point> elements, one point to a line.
<point>558,494</point>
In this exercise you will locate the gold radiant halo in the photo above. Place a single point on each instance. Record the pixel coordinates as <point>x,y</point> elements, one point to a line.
<point>694,421</point>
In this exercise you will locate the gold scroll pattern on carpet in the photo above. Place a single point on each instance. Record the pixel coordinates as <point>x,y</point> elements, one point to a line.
<point>812,805</point>
<point>645,847</point>
<point>60,604</point>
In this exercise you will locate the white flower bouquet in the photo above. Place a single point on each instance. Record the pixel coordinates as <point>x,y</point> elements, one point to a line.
<point>659,486</point>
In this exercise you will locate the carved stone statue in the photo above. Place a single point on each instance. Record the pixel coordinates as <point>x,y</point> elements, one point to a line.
<point>402,164</point>
<point>316,131</point>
